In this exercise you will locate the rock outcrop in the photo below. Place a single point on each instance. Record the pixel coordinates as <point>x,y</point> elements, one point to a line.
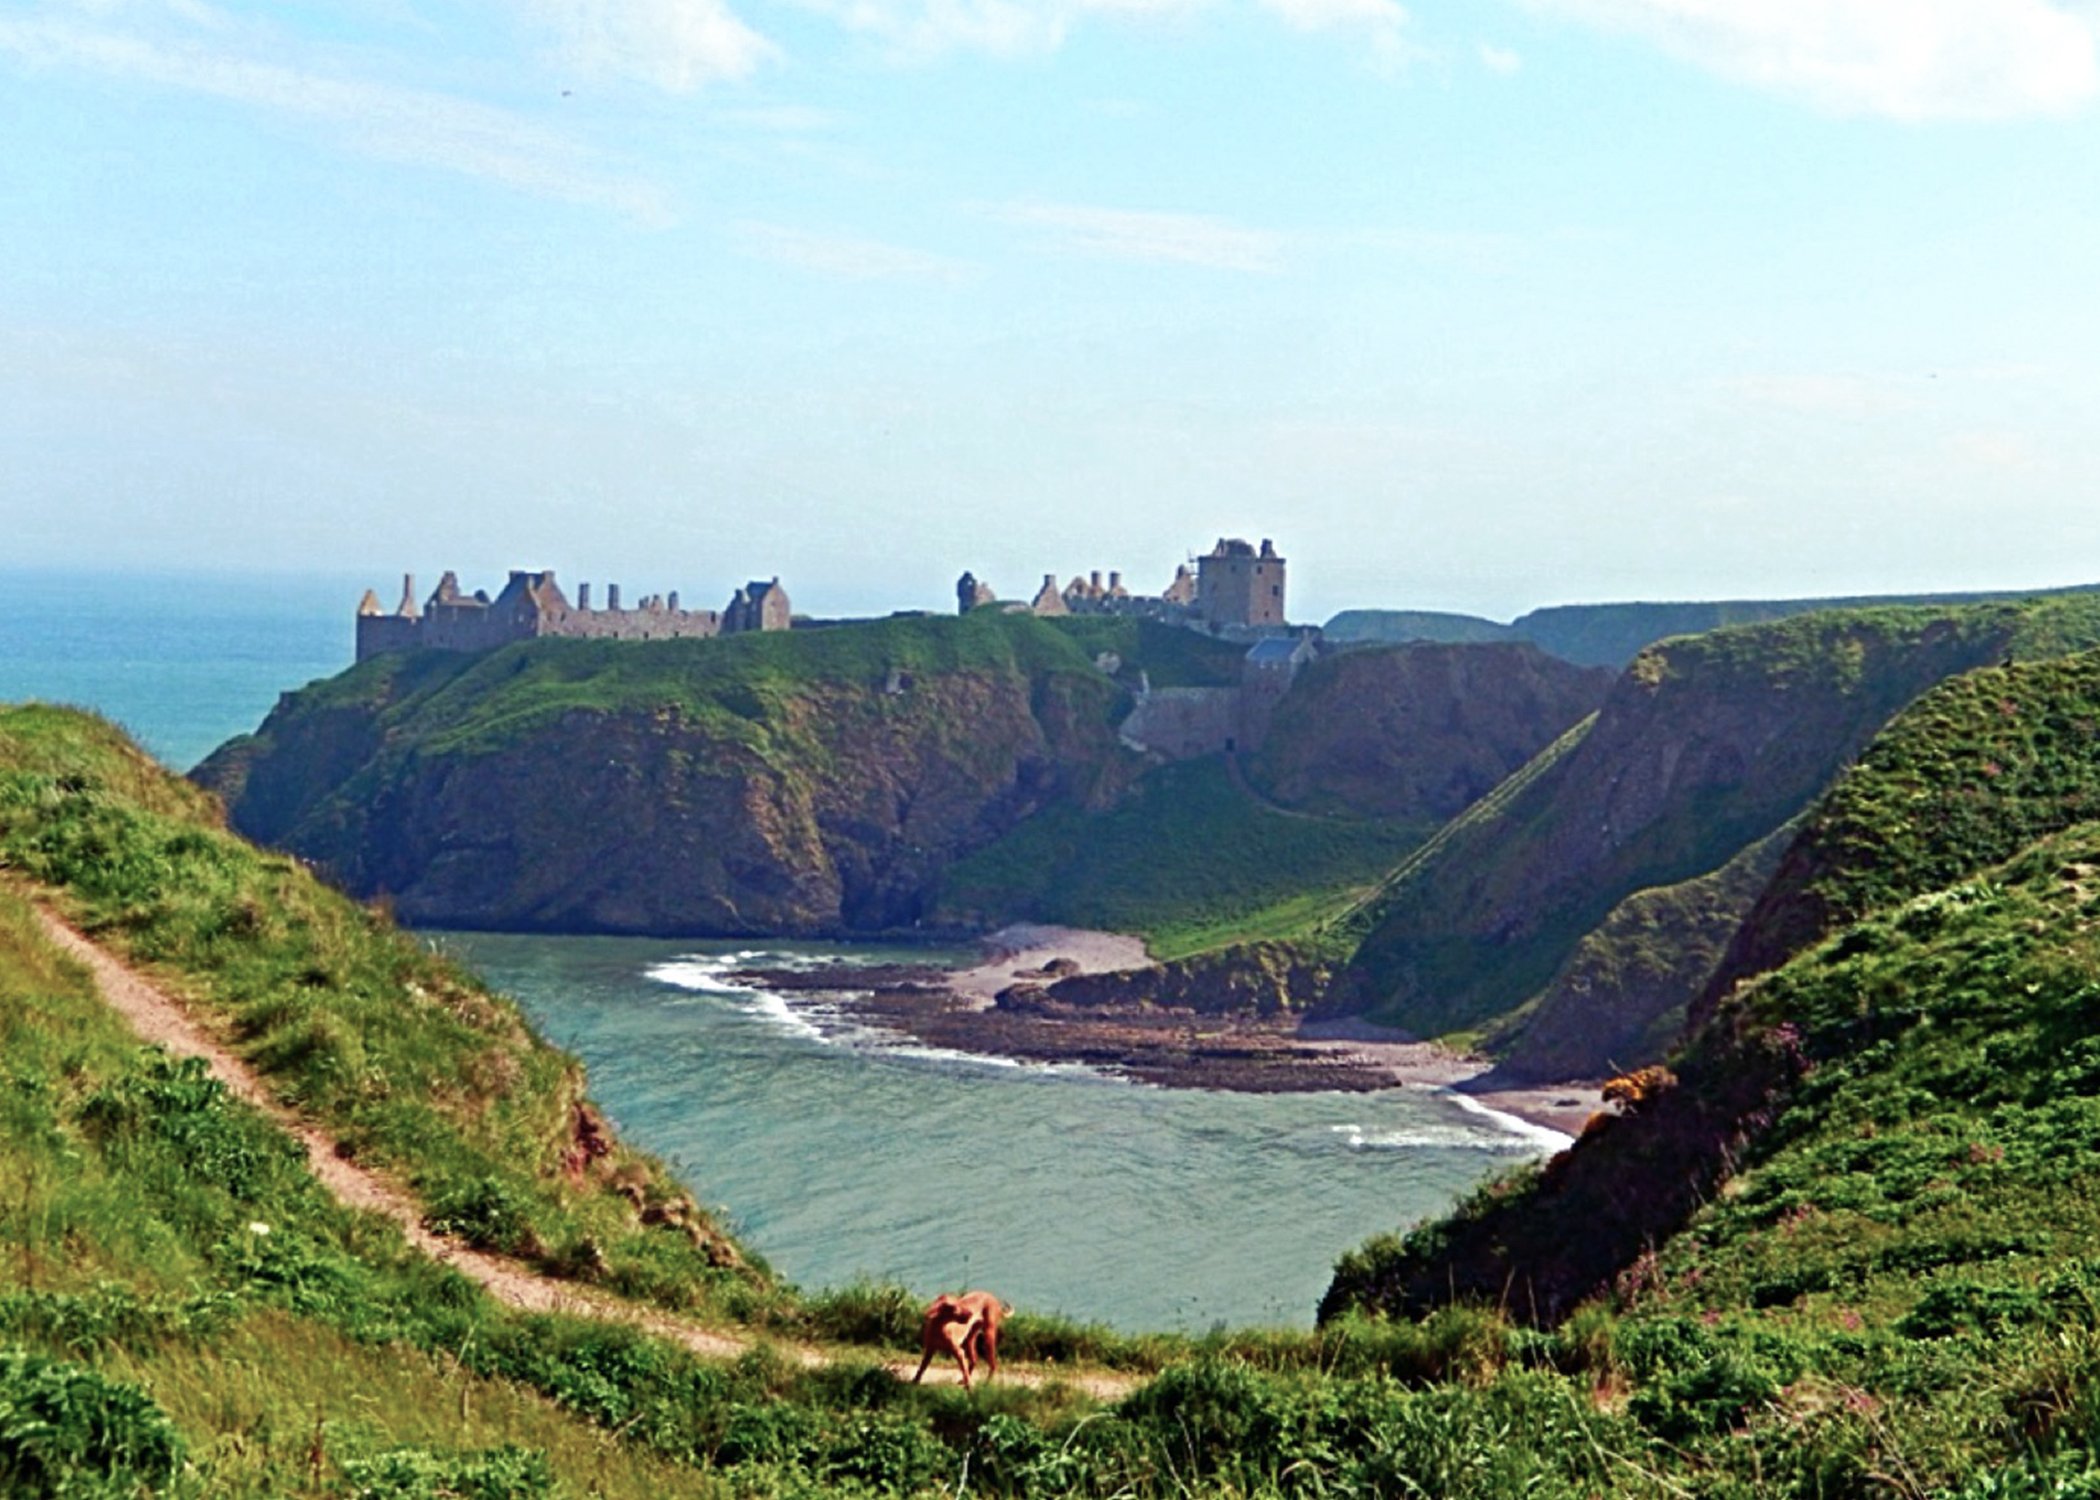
<point>1418,731</point>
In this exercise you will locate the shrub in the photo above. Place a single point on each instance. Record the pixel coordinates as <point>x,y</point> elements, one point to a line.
<point>67,1431</point>
<point>506,1473</point>
<point>1955,1307</point>
<point>487,1213</point>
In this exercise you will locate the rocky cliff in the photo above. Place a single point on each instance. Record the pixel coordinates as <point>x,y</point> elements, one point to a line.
<point>1704,746</point>
<point>1421,731</point>
<point>807,783</point>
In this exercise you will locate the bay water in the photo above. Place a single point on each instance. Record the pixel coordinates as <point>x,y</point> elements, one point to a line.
<point>839,1151</point>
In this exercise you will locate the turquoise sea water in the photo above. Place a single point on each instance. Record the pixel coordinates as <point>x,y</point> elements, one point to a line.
<point>184,662</point>
<point>838,1151</point>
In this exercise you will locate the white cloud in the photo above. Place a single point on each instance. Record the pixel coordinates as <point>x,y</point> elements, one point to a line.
<point>1499,59</point>
<point>844,257</point>
<point>1382,23</point>
<point>677,45</point>
<point>1906,59</point>
<point>401,124</point>
<point>920,29</point>
<point>1159,238</point>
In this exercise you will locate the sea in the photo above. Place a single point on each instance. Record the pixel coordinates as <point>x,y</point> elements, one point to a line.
<point>838,1152</point>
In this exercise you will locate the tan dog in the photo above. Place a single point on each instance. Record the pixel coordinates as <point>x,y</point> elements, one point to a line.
<point>966,1326</point>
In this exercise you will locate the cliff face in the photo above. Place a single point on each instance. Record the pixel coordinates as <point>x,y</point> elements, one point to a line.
<point>1704,746</point>
<point>784,784</point>
<point>1420,731</point>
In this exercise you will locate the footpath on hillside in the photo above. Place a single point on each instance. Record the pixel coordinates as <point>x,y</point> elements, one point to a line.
<point>160,1020</point>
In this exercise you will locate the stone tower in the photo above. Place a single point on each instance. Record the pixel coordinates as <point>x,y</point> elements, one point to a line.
<point>1236,585</point>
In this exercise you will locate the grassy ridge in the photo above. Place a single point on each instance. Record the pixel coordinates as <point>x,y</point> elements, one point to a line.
<point>1902,1267</point>
<point>1622,998</point>
<point>1977,769</point>
<point>1706,745</point>
<point>460,703</point>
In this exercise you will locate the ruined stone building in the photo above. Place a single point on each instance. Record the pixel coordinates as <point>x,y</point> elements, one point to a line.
<point>1238,586</point>
<point>1185,723</point>
<point>532,605</point>
<point>758,606</point>
<point>1233,588</point>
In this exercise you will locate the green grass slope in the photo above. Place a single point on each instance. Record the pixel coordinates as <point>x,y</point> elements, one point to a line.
<point>1400,626</point>
<point>1622,998</point>
<point>409,1061</point>
<point>1706,745</point>
<point>1190,860</point>
<point>1858,1229</point>
<point>1979,767</point>
<point>1611,635</point>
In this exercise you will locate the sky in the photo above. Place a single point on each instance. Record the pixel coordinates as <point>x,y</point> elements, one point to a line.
<point>1470,306</point>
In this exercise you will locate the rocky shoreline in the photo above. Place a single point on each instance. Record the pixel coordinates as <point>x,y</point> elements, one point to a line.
<point>1006,1007</point>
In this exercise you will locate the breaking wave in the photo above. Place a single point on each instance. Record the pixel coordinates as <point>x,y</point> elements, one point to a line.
<point>1512,1136</point>
<point>817,1017</point>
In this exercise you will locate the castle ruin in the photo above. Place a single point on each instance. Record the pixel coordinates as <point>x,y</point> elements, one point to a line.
<point>532,605</point>
<point>1238,586</point>
<point>1234,589</point>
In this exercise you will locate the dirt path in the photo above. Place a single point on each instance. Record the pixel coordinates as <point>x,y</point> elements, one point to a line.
<point>158,1018</point>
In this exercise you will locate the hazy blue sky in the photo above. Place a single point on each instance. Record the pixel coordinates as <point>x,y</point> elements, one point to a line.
<point>1471,306</point>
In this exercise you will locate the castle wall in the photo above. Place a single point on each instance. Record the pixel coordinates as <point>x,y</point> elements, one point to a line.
<point>1262,686</point>
<point>1184,723</point>
<point>379,634</point>
<point>532,605</point>
<point>635,624</point>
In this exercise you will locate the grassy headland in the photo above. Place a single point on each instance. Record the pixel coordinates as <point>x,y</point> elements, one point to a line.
<point>889,776</point>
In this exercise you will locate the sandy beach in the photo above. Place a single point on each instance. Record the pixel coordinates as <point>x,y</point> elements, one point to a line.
<point>1026,951</point>
<point>963,1010</point>
<point>1565,1107</point>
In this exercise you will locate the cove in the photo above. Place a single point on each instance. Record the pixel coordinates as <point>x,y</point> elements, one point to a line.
<point>837,1152</point>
